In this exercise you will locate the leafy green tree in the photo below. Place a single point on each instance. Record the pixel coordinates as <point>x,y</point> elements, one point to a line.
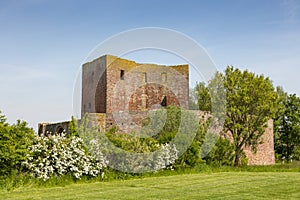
<point>2,118</point>
<point>14,142</point>
<point>250,102</point>
<point>282,98</point>
<point>73,128</point>
<point>192,99</point>
<point>288,140</point>
<point>200,98</point>
<point>222,152</point>
<point>204,101</point>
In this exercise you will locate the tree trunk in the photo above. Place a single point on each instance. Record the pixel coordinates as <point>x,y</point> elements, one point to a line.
<point>238,156</point>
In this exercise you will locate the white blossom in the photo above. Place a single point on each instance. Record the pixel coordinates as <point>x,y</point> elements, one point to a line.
<point>57,155</point>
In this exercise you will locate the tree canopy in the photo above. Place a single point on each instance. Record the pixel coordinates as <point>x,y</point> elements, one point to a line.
<point>288,138</point>
<point>250,102</point>
<point>200,98</point>
<point>14,142</point>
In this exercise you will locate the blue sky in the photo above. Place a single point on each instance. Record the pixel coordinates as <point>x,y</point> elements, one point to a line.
<point>44,42</point>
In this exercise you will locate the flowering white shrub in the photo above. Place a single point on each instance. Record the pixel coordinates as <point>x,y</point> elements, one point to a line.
<point>96,151</point>
<point>166,157</point>
<point>57,155</point>
<point>133,162</point>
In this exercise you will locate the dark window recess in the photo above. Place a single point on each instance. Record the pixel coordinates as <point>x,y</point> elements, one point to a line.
<point>60,130</point>
<point>164,102</point>
<point>90,106</point>
<point>122,74</point>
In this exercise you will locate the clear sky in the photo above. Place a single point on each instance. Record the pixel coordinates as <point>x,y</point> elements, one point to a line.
<point>44,42</point>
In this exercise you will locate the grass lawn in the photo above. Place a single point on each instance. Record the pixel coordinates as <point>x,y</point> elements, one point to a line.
<point>223,185</point>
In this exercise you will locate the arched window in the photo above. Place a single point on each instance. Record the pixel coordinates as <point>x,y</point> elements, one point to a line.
<point>60,130</point>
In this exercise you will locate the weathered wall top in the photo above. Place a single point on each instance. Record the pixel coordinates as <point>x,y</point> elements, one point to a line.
<point>112,84</point>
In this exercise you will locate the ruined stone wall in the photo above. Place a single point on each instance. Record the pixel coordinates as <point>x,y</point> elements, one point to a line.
<point>127,121</point>
<point>111,84</point>
<point>118,89</point>
<point>94,86</point>
<point>144,86</point>
<point>45,129</point>
<point>152,96</point>
<point>265,154</point>
<point>95,121</point>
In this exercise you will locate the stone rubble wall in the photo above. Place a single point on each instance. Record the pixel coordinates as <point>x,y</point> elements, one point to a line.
<point>265,154</point>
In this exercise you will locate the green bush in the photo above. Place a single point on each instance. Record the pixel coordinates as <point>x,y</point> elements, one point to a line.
<point>222,153</point>
<point>130,153</point>
<point>132,143</point>
<point>181,127</point>
<point>14,142</point>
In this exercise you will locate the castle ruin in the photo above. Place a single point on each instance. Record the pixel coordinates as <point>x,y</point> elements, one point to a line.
<point>117,91</point>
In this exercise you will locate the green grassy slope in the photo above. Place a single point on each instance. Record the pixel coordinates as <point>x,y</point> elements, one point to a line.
<point>224,185</point>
